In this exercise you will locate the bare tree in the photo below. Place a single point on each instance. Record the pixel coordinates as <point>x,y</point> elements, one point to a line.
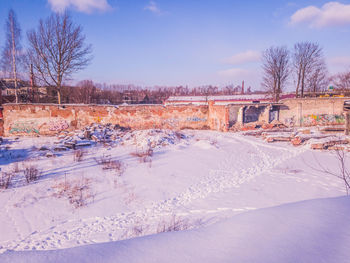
<point>12,53</point>
<point>342,81</point>
<point>342,172</point>
<point>317,79</point>
<point>276,70</point>
<point>307,58</point>
<point>57,50</point>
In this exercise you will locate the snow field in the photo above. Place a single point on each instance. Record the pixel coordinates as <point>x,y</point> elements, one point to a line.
<point>200,178</point>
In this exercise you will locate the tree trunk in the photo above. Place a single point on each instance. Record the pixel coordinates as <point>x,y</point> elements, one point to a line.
<point>298,84</point>
<point>59,96</point>
<point>302,83</point>
<point>14,59</point>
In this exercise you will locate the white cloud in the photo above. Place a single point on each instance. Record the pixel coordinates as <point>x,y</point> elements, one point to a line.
<point>330,14</point>
<point>342,61</point>
<point>338,64</point>
<point>251,76</point>
<point>244,57</point>
<point>234,73</point>
<point>153,7</point>
<point>85,6</point>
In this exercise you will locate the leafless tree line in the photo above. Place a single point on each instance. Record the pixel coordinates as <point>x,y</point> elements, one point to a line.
<point>88,92</point>
<point>304,65</point>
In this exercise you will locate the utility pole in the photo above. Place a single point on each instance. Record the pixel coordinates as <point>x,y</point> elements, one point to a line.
<point>14,57</point>
<point>32,84</point>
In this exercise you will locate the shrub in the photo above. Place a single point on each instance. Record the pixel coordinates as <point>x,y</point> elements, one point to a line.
<point>109,164</point>
<point>114,165</point>
<point>31,173</point>
<point>78,192</point>
<point>78,155</point>
<point>5,180</point>
<point>175,224</point>
<point>144,156</point>
<point>104,159</point>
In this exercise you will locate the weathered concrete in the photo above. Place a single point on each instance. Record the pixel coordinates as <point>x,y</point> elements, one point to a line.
<point>312,111</point>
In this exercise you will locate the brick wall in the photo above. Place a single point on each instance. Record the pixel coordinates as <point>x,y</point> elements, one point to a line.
<point>48,119</point>
<point>218,117</point>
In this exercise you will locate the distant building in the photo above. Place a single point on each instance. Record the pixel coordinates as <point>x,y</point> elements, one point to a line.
<point>8,87</point>
<point>24,89</point>
<point>224,100</point>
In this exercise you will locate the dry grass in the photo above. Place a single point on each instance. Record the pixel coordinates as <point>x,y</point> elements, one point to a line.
<point>108,164</point>
<point>78,155</point>
<point>114,165</point>
<point>31,173</point>
<point>5,180</point>
<point>104,159</point>
<point>78,192</point>
<point>175,224</point>
<point>144,156</point>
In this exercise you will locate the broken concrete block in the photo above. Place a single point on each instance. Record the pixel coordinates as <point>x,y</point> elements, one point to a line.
<point>317,146</point>
<point>49,154</point>
<point>336,148</point>
<point>70,145</point>
<point>94,138</point>
<point>87,134</point>
<point>43,148</point>
<point>83,144</point>
<point>297,141</point>
<point>60,148</point>
<point>305,131</point>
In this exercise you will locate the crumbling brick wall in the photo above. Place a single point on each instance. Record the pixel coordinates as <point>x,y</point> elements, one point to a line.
<point>218,118</point>
<point>48,119</point>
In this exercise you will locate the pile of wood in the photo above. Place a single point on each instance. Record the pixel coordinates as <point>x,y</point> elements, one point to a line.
<point>318,140</point>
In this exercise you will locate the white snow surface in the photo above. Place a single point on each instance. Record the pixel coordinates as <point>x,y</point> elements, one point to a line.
<point>219,183</point>
<point>310,231</point>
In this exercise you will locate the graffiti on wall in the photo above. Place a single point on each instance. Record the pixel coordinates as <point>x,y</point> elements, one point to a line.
<point>58,125</point>
<point>290,121</point>
<point>171,122</point>
<point>24,127</point>
<point>98,119</point>
<point>323,119</point>
<point>196,119</point>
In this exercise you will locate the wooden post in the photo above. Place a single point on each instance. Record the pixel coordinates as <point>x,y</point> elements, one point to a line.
<point>300,114</point>
<point>347,122</point>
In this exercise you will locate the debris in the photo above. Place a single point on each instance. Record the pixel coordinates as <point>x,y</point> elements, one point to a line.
<point>43,148</point>
<point>60,149</point>
<point>333,129</point>
<point>49,154</point>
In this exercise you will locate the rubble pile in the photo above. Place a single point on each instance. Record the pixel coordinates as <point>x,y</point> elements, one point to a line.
<point>113,135</point>
<point>316,138</point>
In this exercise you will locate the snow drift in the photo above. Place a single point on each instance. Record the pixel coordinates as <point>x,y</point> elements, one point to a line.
<point>310,231</point>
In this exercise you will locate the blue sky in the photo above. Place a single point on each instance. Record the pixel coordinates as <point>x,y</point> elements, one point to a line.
<point>188,42</point>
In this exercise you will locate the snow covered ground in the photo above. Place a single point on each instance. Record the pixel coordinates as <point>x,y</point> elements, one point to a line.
<point>205,180</point>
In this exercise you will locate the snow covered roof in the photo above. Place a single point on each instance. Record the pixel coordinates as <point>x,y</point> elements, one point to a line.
<point>226,98</point>
<point>239,97</point>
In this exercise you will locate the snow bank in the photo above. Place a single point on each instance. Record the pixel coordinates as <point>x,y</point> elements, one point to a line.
<point>310,231</point>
